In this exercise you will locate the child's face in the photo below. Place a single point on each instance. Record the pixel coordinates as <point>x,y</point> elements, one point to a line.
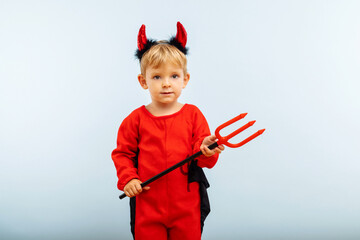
<point>165,83</point>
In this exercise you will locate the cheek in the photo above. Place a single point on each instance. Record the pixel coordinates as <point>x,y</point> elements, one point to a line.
<point>154,87</point>
<point>179,89</point>
<point>152,84</point>
<point>183,84</point>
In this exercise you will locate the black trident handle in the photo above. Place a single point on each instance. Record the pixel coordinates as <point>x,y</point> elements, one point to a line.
<point>192,157</point>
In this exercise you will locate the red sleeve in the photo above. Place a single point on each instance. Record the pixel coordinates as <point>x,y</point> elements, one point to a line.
<point>200,131</point>
<point>125,154</point>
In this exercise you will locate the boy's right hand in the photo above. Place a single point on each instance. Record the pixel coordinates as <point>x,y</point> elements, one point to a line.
<point>133,188</point>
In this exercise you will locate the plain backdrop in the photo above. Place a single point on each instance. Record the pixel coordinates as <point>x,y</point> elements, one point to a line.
<point>68,79</point>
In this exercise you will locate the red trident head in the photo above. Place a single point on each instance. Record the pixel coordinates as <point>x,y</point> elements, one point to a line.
<point>224,140</point>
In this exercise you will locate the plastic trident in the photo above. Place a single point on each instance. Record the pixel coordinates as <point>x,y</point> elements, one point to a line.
<point>221,141</point>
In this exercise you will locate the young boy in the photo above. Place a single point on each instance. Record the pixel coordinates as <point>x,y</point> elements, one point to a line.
<point>157,136</point>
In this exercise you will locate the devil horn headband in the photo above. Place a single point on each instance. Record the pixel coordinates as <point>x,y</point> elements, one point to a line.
<point>144,44</point>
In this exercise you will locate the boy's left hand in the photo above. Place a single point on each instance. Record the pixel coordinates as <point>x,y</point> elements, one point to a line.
<point>208,141</point>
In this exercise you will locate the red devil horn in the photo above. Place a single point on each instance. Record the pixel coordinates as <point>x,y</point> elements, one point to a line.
<point>142,40</point>
<point>181,35</point>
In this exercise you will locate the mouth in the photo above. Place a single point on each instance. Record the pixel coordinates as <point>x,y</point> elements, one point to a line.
<point>166,93</point>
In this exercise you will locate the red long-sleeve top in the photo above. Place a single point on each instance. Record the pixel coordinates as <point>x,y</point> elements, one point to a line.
<point>157,143</point>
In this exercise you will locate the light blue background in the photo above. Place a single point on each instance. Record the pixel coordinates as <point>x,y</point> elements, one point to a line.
<point>68,79</point>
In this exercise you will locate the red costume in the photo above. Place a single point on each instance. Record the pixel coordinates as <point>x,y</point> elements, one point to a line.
<point>147,145</point>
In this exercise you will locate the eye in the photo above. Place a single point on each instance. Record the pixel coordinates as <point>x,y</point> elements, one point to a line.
<point>175,76</point>
<point>157,77</point>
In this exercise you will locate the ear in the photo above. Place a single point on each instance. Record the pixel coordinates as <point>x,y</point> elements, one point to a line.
<point>186,79</point>
<point>142,81</point>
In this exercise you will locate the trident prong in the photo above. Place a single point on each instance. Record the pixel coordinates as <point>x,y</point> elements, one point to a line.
<point>225,140</point>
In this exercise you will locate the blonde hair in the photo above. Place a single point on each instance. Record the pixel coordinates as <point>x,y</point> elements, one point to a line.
<point>161,53</point>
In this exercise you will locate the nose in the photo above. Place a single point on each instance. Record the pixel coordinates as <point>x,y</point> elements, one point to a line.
<point>166,83</point>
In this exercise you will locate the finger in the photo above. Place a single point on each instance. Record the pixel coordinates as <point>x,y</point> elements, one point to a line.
<point>202,149</point>
<point>146,188</point>
<point>219,149</point>
<point>208,152</point>
<point>129,193</point>
<point>138,188</point>
<point>134,190</point>
<point>213,138</point>
<point>210,140</point>
<point>126,191</point>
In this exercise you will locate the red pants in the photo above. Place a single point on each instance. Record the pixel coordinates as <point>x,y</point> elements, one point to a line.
<point>165,213</point>
<point>178,230</point>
